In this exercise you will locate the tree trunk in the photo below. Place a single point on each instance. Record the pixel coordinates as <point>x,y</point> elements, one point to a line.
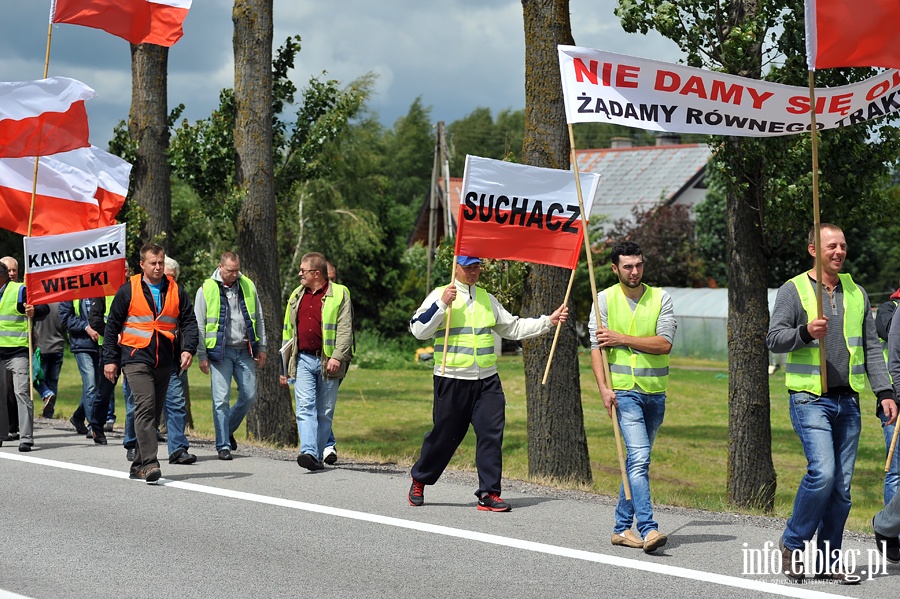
<point>271,420</point>
<point>557,444</point>
<point>751,473</point>
<point>149,129</point>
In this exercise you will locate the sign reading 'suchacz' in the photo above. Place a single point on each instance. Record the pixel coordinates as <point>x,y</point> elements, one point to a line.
<point>517,212</point>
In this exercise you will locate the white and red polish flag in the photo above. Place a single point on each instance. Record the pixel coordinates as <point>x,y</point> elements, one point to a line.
<point>43,117</point>
<point>138,21</point>
<point>64,201</point>
<point>111,173</point>
<point>850,33</point>
<point>75,265</point>
<point>526,213</point>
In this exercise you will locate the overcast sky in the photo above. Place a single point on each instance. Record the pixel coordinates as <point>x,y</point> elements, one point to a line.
<point>457,55</point>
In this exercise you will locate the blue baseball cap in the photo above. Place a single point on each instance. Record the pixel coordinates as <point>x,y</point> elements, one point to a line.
<point>467,260</point>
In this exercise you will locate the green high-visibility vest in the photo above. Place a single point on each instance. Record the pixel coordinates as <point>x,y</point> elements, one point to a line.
<point>76,307</point>
<point>13,326</point>
<point>331,306</point>
<point>802,372</point>
<point>627,366</point>
<point>471,336</point>
<point>215,314</point>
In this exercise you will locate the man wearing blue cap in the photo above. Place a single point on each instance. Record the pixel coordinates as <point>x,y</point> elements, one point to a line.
<point>469,390</point>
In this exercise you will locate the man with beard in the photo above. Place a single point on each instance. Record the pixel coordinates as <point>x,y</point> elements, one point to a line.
<point>637,327</point>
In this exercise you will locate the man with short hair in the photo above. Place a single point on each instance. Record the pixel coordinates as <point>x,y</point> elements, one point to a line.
<point>12,411</point>
<point>827,421</point>
<point>637,326</point>
<point>318,321</point>
<point>14,312</point>
<point>148,310</point>
<point>469,390</point>
<point>230,317</point>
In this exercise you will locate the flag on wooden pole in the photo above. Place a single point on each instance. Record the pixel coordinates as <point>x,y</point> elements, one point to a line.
<point>138,21</point>
<point>850,33</point>
<point>43,117</point>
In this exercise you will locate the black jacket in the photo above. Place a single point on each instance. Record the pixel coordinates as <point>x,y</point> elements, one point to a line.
<point>161,351</point>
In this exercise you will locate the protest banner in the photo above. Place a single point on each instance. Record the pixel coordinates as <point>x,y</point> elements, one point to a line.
<point>604,87</point>
<point>518,212</point>
<point>75,265</point>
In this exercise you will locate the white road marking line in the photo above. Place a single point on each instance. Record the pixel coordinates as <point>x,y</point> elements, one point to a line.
<point>786,590</point>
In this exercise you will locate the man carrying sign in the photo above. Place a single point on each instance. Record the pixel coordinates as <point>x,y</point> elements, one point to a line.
<point>638,327</point>
<point>468,390</point>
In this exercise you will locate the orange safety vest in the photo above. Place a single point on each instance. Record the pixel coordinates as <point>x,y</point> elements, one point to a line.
<point>140,324</point>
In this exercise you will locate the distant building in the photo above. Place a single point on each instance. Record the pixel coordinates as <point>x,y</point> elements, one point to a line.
<point>643,177</point>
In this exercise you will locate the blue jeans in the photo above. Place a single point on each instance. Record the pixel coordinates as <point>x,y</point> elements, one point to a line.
<point>89,367</point>
<point>315,397</point>
<point>130,440</point>
<point>892,477</point>
<point>175,411</point>
<point>239,365</point>
<point>640,416</point>
<point>828,428</point>
<point>51,363</point>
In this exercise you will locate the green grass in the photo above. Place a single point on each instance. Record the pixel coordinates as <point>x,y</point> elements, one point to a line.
<point>382,415</point>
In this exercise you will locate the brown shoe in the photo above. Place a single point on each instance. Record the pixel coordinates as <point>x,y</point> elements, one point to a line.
<point>153,475</point>
<point>654,540</point>
<point>627,539</point>
<point>791,570</point>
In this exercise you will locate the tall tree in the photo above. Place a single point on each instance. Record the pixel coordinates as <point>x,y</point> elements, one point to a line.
<point>148,127</point>
<point>256,220</point>
<point>557,444</point>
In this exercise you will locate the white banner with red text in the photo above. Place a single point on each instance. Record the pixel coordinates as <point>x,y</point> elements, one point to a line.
<point>75,265</point>
<point>517,212</point>
<point>603,87</point>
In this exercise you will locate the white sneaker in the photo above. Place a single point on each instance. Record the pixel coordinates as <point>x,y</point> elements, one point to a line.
<point>329,456</point>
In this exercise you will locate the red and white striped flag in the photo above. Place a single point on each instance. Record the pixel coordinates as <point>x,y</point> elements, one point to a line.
<point>850,33</point>
<point>43,117</point>
<point>138,21</point>
<point>64,201</point>
<point>111,173</point>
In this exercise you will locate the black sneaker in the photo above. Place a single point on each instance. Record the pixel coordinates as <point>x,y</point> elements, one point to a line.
<point>224,454</point>
<point>889,546</point>
<point>416,496</point>
<point>305,460</point>
<point>182,457</point>
<point>491,502</point>
<point>80,428</point>
<point>233,442</point>
<point>129,454</point>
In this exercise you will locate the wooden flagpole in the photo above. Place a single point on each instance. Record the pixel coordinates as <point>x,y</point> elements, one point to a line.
<point>590,263</point>
<point>449,312</point>
<point>817,223</point>
<point>558,328</point>
<point>37,161</point>
<point>890,456</point>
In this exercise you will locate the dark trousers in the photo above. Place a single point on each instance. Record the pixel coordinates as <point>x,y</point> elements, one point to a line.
<point>148,386</point>
<point>106,391</point>
<point>456,404</point>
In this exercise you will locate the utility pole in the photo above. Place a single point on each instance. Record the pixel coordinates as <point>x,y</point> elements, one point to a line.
<point>440,170</point>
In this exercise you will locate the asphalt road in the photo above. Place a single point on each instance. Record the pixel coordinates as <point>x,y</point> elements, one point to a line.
<point>73,525</point>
